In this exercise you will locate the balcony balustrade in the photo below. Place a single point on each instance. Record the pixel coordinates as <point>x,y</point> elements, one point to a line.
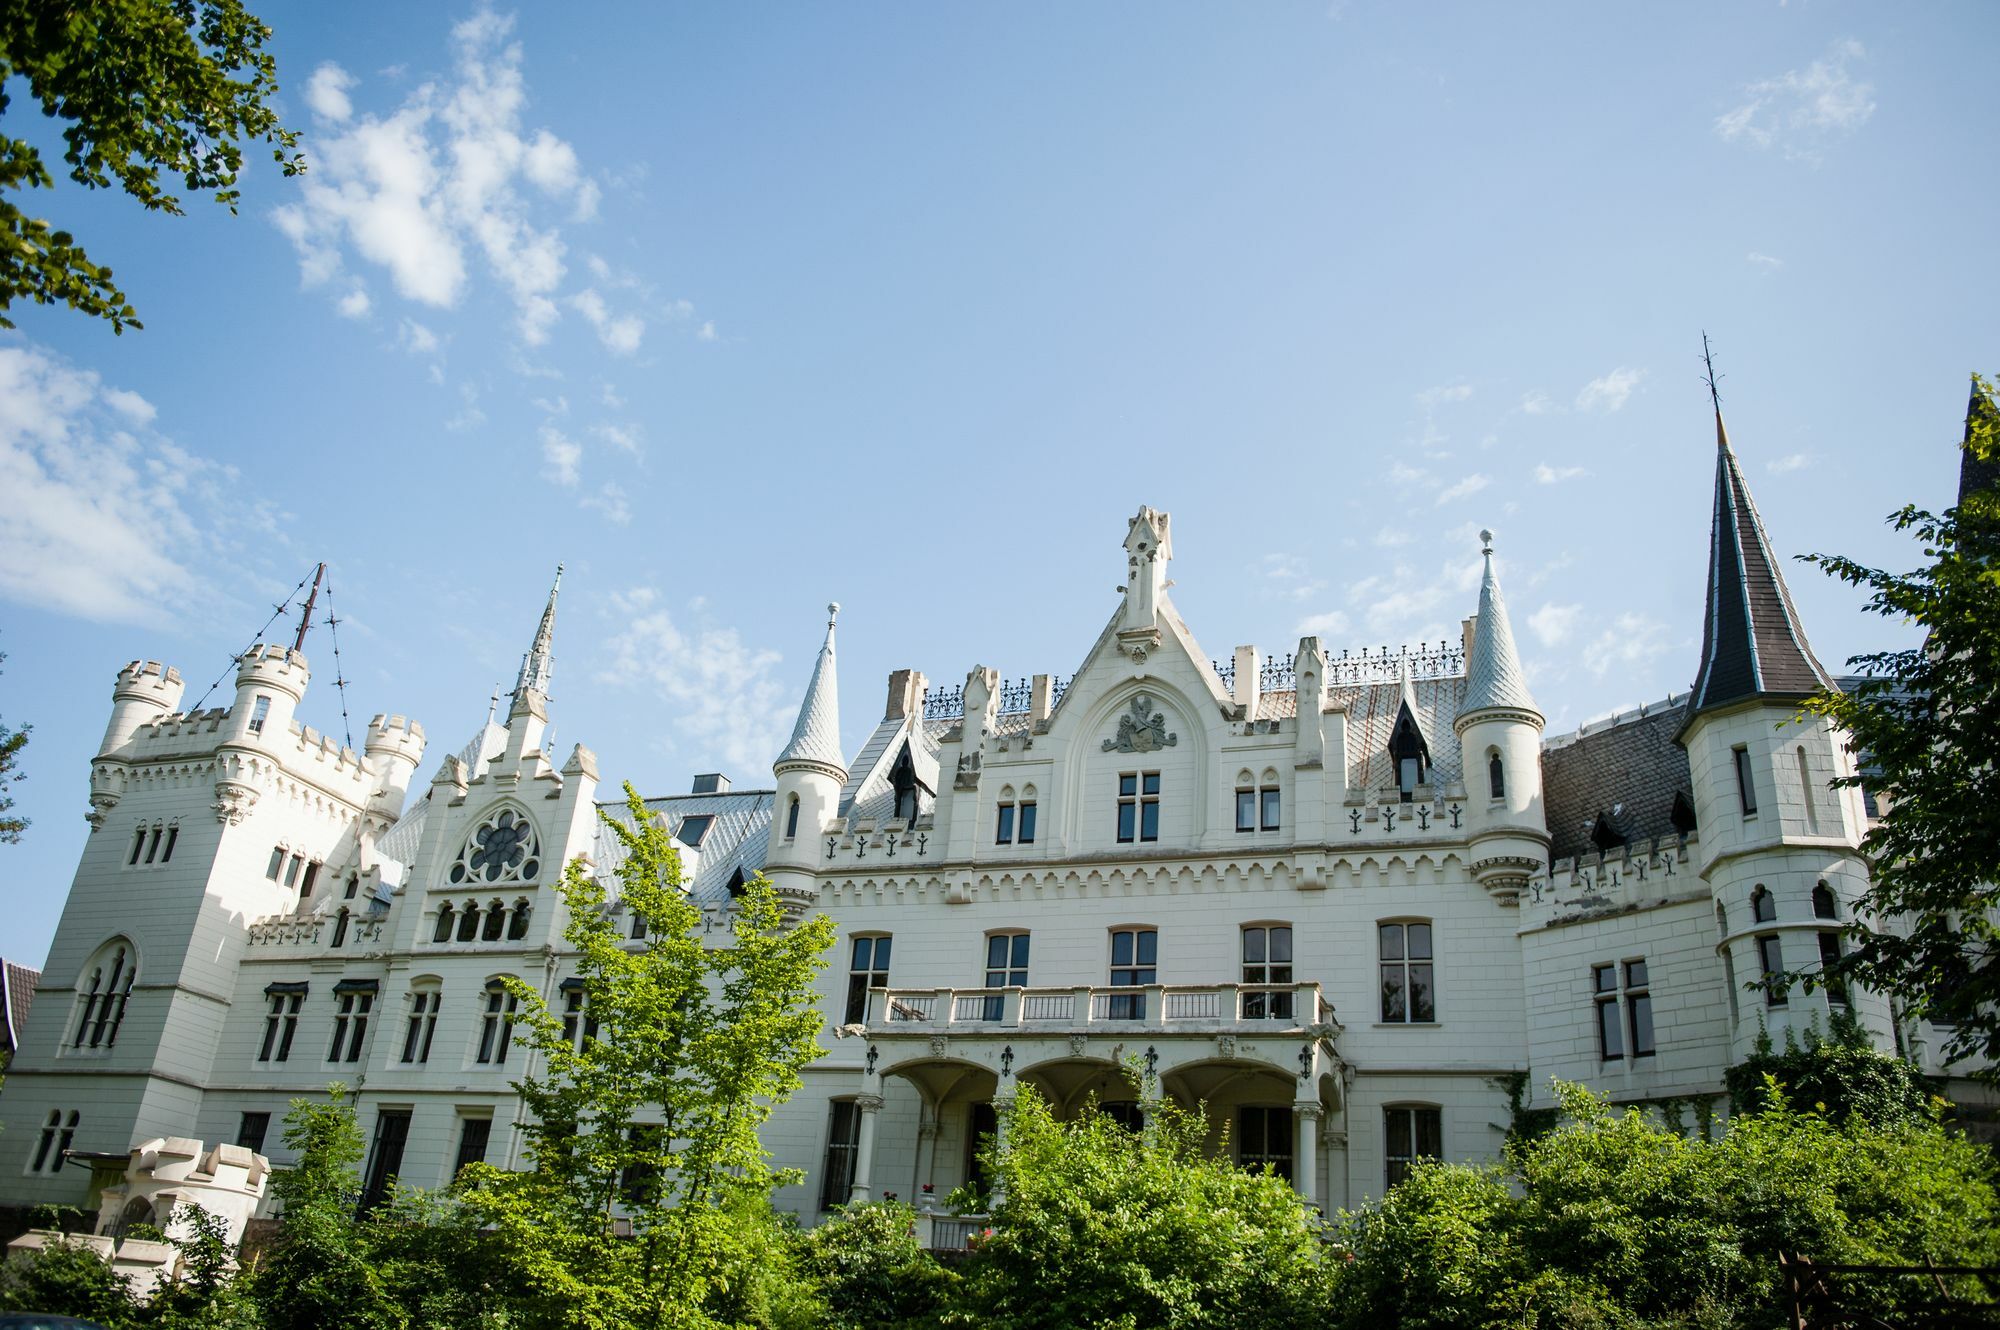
<point>1187,1008</point>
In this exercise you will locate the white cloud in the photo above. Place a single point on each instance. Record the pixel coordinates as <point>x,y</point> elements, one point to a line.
<point>1764,261</point>
<point>1431,398</point>
<point>609,500</point>
<point>1800,110</point>
<point>105,519</point>
<point>469,415</point>
<point>1402,473</point>
<point>563,455</point>
<point>1390,537</point>
<point>727,706</point>
<point>706,332</point>
<point>1553,624</point>
<point>1608,393</point>
<point>1331,624</point>
<point>620,333</point>
<point>354,305</point>
<point>1791,462</point>
<point>1463,488</point>
<point>1289,576</point>
<point>625,438</point>
<point>1632,642</point>
<point>554,405</point>
<point>1551,475</point>
<point>416,190</point>
<point>415,338</point>
<point>1537,403</point>
<point>326,92</point>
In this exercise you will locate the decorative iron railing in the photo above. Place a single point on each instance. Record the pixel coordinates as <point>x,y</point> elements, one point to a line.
<point>1279,673</point>
<point>1017,697</point>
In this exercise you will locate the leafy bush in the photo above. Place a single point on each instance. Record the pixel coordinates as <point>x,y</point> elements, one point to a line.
<point>871,1271</point>
<point>67,1278</point>
<point>1105,1227</point>
<point>1839,1075</point>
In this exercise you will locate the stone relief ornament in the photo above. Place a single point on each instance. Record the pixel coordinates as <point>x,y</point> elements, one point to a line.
<point>1141,730</point>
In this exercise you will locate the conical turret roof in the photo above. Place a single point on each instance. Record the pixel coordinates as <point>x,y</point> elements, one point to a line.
<point>1493,676</point>
<point>1753,644</point>
<point>816,736</point>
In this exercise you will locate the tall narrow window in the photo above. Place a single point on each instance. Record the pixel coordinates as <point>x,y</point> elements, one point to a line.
<point>292,867</point>
<point>1496,776</point>
<point>473,1134</point>
<point>1138,806</point>
<point>1610,1029</point>
<point>46,1146</point>
<point>340,922</point>
<point>903,781</point>
<point>138,846</point>
<point>843,1138</point>
<point>153,846</point>
<point>111,1006</point>
<point>1829,957</point>
<point>1267,972</point>
<point>260,711</point>
<point>1763,908</point>
<point>167,850</point>
<point>868,967</point>
<point>792,817</point>
<point>306,882</point>
<point>385,1156</point>
<point>1003,830</point>
<point>1264,1136</point>
<point>639,1181</point>
<point>350,1024</point>
<point>1024,822</point>
<point>1246,808</point>
<point>1824,905</point>
<point>1746,788</point>
<point>277,864</point>
<point>424,1004</point>
<point>1412,1133</point>
<point>579,1023</point>
<point>468,922</point>
<point>496,1026</point>
<point>251,1128</point>
<point>1006,967</point>
<point>281,1022</point>
<point>442,933</point>
<point>496,921</point>
<point>1135,959</point>
<point>1771,959</point>
<point>1807,793</point>
<point>1638,1009</point>
<point>517,921</point>
<point>88,1007</point>
<point>1267,804</point>
<point>1407,992</point>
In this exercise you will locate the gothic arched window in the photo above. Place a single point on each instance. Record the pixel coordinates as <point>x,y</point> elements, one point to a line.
<point>443,932</point>
<point>1496,775</point>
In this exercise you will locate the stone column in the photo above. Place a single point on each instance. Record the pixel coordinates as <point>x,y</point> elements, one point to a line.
<point>864,1147</point>
<point>1305,1161</point>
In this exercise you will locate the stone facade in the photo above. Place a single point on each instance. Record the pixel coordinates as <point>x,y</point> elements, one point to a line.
<point>1344,900</point>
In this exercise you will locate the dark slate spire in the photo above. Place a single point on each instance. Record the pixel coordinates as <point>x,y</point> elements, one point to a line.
<point>1973,474</point>
<point>1752,644</point>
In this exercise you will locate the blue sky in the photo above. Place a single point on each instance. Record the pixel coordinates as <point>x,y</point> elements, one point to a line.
<point>736,310</point>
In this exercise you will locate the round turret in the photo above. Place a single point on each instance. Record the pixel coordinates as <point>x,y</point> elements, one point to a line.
<point>395,745</point>
<point>146,690</point>
<point>270,680</point>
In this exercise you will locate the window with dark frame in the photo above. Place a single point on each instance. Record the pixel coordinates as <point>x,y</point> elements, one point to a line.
<point>843,1138</point>
<point>1138,806</point>
<point>251,1128</point>
<point>1264,1135</point>
<point>1006,967</point>
<point>1267,960</point>
<point>1829,956</point>
<point>473,1135</point>
<point>350,1023</point>
<point>792,817</point>
<point>1746,787</point>
<point>1496,776</point>
<point>1408,995</point>
<point>496,1026</point>
<point>1003,830</point>
<point>1624,1010</point>
<point>281,1023</point>
<point>579,1023</point>
<point>1412,1133</point>
<point>1771,960</point>
<point>1135,959</point>
<point>868,967</point>
<point>442,933</point>
<point>424,1004</point>
<point>1024,823</point>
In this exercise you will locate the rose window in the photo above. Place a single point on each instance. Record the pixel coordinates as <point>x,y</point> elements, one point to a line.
<point>504,849</point>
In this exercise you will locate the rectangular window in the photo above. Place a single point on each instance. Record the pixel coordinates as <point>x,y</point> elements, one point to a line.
<point>579,1025</point>
<point>1264,1136</point>
<point>1638,1009</point>
<point>1610,1029</point>
<point>306,882</point>
<point>473,1134</point>
<point>292,868</point>
<point>1771,960</point>
<point>277,864</point>
<point>1003,834</point>
<point>138,846</point>
<point>1135,959</point>
<point>260,711</point>
<point>496,1027</point>
<point>1624,1014</point>
<point>350,1026</point>
<point>1138,806</point>
<point>1007,960</point>
<point>1412,1134</point>
<point>1246,810</point>
<point>868,967</point>
<point>1267,799</point>
<point>251,1129</point>
<point>1267,960</point>
<point>167,850</point>
<point>1829,956</point>
<point>153,849</point>
<point>1746,788</point>
<point>1025,825</point>
<point>385,1157</point>
<point>843,1137</point>
<point>424,1005</point>
<point>281,1024</point>
<point>1407,992</point>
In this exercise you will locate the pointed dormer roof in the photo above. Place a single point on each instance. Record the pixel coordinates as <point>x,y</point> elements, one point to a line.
<point>1974,473</point>
<point>816,737</point>
<point>1752,642</point>
<point>539,664</point>
<point>1493,678</point>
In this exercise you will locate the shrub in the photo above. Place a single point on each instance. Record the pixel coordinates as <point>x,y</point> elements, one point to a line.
<point>870,1270</point>
<point>66,1278</point>
<point>1840,1075</point>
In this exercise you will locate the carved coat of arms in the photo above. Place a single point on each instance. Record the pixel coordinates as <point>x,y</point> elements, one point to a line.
<point>1141,729</point>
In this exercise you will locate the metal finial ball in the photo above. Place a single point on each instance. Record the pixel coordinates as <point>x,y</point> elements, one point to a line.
<point>1486,542</point>
<point>832,610</point>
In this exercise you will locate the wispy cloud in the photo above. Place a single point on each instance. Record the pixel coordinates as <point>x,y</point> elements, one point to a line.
<point>1633,642</point>
<point>562,456</point>
<point>727,706</point>
<point>1790,462</point>
<point>1608,393</point>
<point>1764,261</point>
<point>1799,111</point>
<point>1462,488</point>
<point>1289,576</point>
<point>1554,624</point>
<point>1536,403</point>
<point>1554,475</point>
<point>610,501</point>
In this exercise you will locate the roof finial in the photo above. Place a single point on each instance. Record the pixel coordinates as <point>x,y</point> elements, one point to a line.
<point>1710,377</point>
<point>1486,543</point>
<point>832,612</point>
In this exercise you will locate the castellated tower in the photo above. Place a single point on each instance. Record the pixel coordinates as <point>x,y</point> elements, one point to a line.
<point>201,824</point>
<point>810,773</point>
<point>1779,847</point>
<point>1500,733</point>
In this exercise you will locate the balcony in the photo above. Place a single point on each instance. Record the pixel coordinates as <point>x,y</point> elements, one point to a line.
<point>1246,1009</point>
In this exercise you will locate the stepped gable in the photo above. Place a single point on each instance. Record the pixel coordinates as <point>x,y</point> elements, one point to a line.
<point>1628,767</point>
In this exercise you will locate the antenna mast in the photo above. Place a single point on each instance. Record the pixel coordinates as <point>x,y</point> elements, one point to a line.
<point>306,618</point>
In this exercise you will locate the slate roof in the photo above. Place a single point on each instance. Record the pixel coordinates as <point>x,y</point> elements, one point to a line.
<point>1752,642</point>
<point>1974,474</point>
<point>738,838</point>
<point>20,983</point>
<point>868,792</point>
<point>1628,768</point>
<point>816,736</point>
<point>1493,675</point>
<point>1371,715</point>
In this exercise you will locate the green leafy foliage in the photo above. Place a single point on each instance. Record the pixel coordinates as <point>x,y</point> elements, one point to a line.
<point>871,1272</point>
<point>1928,719</point>
<point>1613,1220</point>
<point>154,96</point>
<point>12,741</point>
<point>1101,1226</point>
<point>67,1278</point>
<point>651,1123</point>
<point>1838,1075</point>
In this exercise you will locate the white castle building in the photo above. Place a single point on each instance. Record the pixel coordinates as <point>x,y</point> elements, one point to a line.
<point>1343,900</point>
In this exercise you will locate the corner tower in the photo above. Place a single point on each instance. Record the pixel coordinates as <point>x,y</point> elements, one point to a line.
<point>1778,845</point>
<point>810,773</point>
<point>1500,733</point>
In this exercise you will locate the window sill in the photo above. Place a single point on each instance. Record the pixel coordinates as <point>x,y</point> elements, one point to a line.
<point>1409,1025</point>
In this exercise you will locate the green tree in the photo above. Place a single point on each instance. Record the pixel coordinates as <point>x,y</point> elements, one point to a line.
<point>12,741</point>
<point>1838,1075</point>
<point>154,96</point>
<point>647,1116</point>
<point>67,1278</point>
<point>867,1265</point>
<point>1928,720</point>
<point>318,1271</point>
<point>1104,1227</point>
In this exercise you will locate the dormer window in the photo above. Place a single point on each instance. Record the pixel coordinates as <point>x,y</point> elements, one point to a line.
<point>694,829</point>
<point>1682,813</point>
<point>903,780</point>
<point>1409,754</point>
<point>1604,833</point>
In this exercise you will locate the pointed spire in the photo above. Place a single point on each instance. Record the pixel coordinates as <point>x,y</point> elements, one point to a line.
<point>816,736</point>
<point>1493,677</point>
<point>1974,473</point>
<point>1752,642</point>
<point>539,663</point>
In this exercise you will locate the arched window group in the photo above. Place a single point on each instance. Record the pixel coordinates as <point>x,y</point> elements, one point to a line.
<point>472,922</point>
<point>102,998</point>
<point>57,1134</point>
<point>153,844</point>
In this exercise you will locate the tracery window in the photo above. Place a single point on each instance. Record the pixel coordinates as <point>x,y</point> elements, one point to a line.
<point>503,849</point>
<point>101,1010</point>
